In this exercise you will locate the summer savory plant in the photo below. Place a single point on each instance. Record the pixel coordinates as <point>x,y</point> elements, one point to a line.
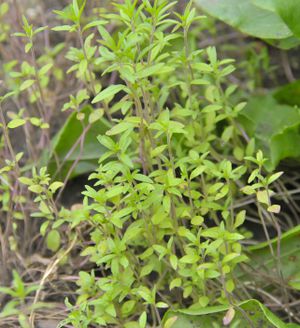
<point>162,231</point>
<point>165,234</point>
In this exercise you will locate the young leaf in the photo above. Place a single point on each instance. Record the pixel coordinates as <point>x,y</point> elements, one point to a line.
<point>143,320</point>
<point>274,208</point>
<point>16,123</point>
<point>53,240</point>
<point>26,84</point>
<point>240,218</point>
<point>109,92</point>
<point>263,197</point>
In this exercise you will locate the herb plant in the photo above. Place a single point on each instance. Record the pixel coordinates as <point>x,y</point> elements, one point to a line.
<point>160,223</point>
<point>164,230</point>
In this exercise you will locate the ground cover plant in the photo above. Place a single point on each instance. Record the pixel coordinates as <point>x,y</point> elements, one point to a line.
<point>147,179</point>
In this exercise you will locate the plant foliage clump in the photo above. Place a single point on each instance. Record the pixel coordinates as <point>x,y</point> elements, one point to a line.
<point>165,233</point>
<point>160,222</point>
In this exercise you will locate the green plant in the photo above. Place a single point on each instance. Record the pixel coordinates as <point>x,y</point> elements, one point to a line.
<point>17,306</point>
<point>162,228</point>
<point>164,231</point>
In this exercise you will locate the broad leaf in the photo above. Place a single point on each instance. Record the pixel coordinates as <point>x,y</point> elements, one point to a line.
<point>265,4</point>
<point>247,17</point>
<point>67,137</point>
<point>209,317</point>
<point>261,258</point>
<point>289,94</point>
<point>258,18</point>
<point>275,127</point>
<point>289,11</point>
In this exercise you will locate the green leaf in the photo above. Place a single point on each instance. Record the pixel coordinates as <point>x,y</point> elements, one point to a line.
<point>261,257</point>
<point>7,291</point>
<point>26,84</point>
<point>285,44</point>
<point>4,8</point>
<point>288,94</point>
<point>37,189</point>
<point>148,71</point>
<point>174,261</point>
<point>190,258</point>
<point>128,306</point>
<point>197,171</point>
<point>146,270</point>
<point>35,121</point>
<point>177,282</point>
<point>53,240</point>
<point>229,285</point>
<point>247,17</point>
<point>289,11</point>
<point>162,305</point>
<point>114,191</point>
<point>227,134</point>
<point>265,4</point>
<point>109,92</point>
<point>170,322</point>
<point>75,8</point>
<point>215,315</point>
<point>275,128</point>
<point>55,186</point>
<point>132,231</point>
<point>93,24</point>
<point>284,146</point>
<point>106,142</point>
<point>158,217</point>
<point>158,150</point>
<point>28,46</point>
<point>143,320</point>
<point>211,108</point>
<point>45,69</point>
<point>256,18</point>
<point>110,309</point>
<point>197,220</point>
<point>119,128</point>
<point>230,257</point>
<point>274,177</point>
<point>65,139</point>
<point>263,197</point>
<point>62,28</point>
<point>274,208</point>
<point>295,281</point>
<point>25,181</point>
<point>96,115</point>
<point>15,123</point>
<point>240,218</point>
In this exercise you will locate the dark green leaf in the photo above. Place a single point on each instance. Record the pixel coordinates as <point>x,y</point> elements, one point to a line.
<point>289,254</point>
<point>247,17</point>
<point>289,11</point>
<point>206,317</point>
<point>66,138</point>
<point>275,128</point>
<point>271,20</point>
<point>289,94</point>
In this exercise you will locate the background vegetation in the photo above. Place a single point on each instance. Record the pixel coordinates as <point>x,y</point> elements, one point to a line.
<point>149,163</point>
